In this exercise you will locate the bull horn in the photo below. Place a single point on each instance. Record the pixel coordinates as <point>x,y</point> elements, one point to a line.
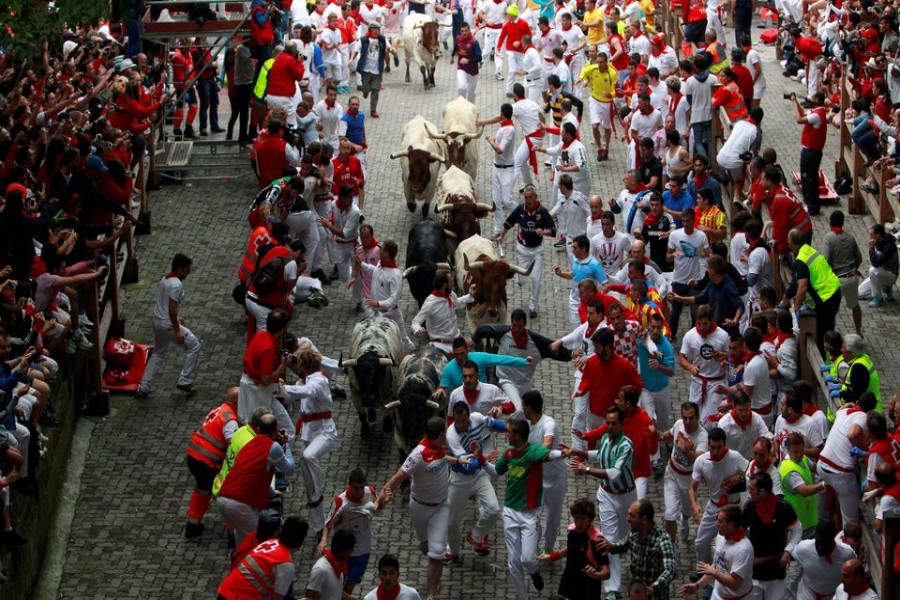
<point>521,271</point>
<point>474,136</point>
<point>475,265</point>
<point>350,362</point>
<point>392,405</point>
<point>436,157</point>
<point>483,206</point>
<point>341,361</point>
<point>402,154</point>
<point>434,136</point>
<point>386,362</point>
<point>443,265</point>
<point>431,404</point>
<point>409,271</point>
<point>442,207</point>
<point>450,234</point>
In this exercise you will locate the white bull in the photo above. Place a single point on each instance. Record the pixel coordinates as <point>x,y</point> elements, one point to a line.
<point>478,263</point>
<point>420,163</point>
<point>421,45</point>
<point>375,352</point>
<point>459,118</point>
<point>458,206</point>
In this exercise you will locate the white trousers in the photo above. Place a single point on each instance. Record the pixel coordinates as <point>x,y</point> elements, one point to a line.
<point>522,529</point>
<point>163,341</point>
<point>463,487</point>
<point>345,65</point>
<point>579,416</point>
<point>305,287</point>
<point>706,533</point>
<point>313,452</point>
<point>521,161</point>
<point>288,103</point>
<point>513,63</point>
<point>259,312</point>
<point>314,256</point>
<point>706,398</point>
<point>430,524</point>
<point>525,257</point>
<point>514,394</point>
<point>252,396</point>
<point>242,517</point>
<point>846,487</point>
<point>659,406</point>
<point>881,281</point>
<point>533,91</point>
<point>20,438</point>
<point>397,317</point>
<point>490,45</point>
<point>502,182</point>
<point>675,495</point>
<point>466,84</point>
<point>552,503</point>
<point>713,21</point>
<point>768,590</point>
<point>342,256</point>
<point>613,512</point>
<point>574,317</point>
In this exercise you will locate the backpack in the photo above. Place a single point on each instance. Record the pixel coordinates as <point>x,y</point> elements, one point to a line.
<point>265,276</point>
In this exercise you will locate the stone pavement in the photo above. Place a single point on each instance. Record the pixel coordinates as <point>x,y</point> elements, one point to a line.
<point>127,539</point>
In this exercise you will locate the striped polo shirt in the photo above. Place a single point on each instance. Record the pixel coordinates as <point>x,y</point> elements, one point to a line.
<point>616,456</point>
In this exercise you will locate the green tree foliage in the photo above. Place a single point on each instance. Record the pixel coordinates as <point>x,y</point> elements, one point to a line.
<point>30,23</point>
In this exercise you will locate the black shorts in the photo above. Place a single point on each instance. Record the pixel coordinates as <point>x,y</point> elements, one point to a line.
<point>695,32</point>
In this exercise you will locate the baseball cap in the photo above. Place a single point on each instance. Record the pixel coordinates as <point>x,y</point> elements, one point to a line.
<point>95,162</point>
<point>125,65</point>
<point>513,11</point>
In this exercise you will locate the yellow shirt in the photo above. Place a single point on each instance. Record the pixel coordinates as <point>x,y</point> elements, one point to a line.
<point>603,85</point>
<point>596,35</point>
<point>712,217</point>
<point>649,8</point>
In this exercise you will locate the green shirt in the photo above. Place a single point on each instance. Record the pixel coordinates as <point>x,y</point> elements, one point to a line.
<point>525,484</point>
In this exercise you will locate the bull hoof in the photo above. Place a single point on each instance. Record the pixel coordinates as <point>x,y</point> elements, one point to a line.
<point>407,79</point>
<point>411,206</point>
<point>372,415</point>
<point>387,425</point>
<point>425,208</point>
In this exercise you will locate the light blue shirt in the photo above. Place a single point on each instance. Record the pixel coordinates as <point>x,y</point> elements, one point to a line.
<point>451,378</point>
<point>654,379</point>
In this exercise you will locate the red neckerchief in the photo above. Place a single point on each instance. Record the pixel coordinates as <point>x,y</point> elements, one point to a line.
<point>432,451</point>
<point>738,535</point>
<point>332,27</point>
<point>811,409</point>
<point>837,230</point>
<point>673,103</point>
<point>564,28</point>
<point>471,395</point>
<point>589,332</point>
<point>712,328</point>
<point>770,336</point>
<point>340,567</point>
<point>171,276</point>
<point>537,206</point>
<point>353,113</point>
<point>388,264</point>
<point>765,509</point>
<point>383,594</point>
<point>371,244</point>
<point>528,47</point>
<point>352,498</point>
<point>441,294</point>
<point>652,219</point>
<point>743,425</point>
<point>329,103</point>
<point>593,218</point>
<point>698,181</point>
<point>374,36</point>
<point>569,143</point>
<point>521,341</point>
<point>854,409</point>
<point>781,337</point>
<point>724,454</point>
<point>794,420</point>
<point>506,123</point>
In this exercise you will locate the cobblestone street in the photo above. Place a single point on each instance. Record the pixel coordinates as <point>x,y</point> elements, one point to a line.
<point>127,537</point>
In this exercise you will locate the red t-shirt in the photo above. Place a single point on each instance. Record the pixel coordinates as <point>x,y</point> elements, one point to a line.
<point>344,172</point>
<point>261,356</point>
<point>604,379</point>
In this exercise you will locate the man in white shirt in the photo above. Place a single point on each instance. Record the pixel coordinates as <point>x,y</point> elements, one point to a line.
<point>792,420</point>
<point>326,579</point>
<point>702,351</point>
<point>570,159</point>
<point>819,558</point>
<point>854,583</point>
<point>645,122</point>
<point>570,211</point>
<point>168,328</point>
<point>742,426</point>
<point>731,573</point>
<point>389,581</point>
<point>329,41</point>
<point>384,291</point>
<point>575,41</point>
<point>687,248</point>
<point>480,397</point>
<point>561,69</point>
<point>532,69</point>
<point>837,467</point>
<point>531,118</point>
<point>330,112</point>
<point>344,228</point>
<point>545,432</point>
<point>610,246</point>
<point>698,89</point>
<point>662,56</point>
<point>632,216</point>
<point>503,174</point>
<point>689,440</point>
<point>755,381</point>
<point>720,469</point>
<point>740,144</point>
<point>437,316</point>
<point>493,13</point>
<point>547,42</point>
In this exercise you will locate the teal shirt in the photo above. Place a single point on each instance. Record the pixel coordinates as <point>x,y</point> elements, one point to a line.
<point>451,378</point>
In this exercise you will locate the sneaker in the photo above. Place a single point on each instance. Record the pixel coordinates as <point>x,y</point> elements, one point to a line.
<point>358,308</point>
<point>189,389</point>
<point>84,321</point>
<point>877,302</point>
<point>538,581</point>
<point>396,60</point>
<point>203,133</point>
<point>139,395</point>
<point>452,559</point>
<point>192,530</point>
<point>177,132</point>
<point>189,133</point>
<point>560,242</point>
<point>217,130</point>
<point>499,77</point>
<point>480,548</point>
<point>374,114</point>
<point>532,314</point>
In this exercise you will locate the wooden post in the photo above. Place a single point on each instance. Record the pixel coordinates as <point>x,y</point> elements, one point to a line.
<point>807,336</point>
<point>98,398</point>
<point>890,588</point>
<point>885,211</point>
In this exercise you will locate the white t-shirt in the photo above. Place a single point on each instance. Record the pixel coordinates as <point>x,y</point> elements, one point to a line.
<point>756,375</point>
<point>324,580</point>
<point>735,558</point>
<point>701,351</point>
<point>701,98</point>
<point>610,251</point>
<point>689,264</point>
<point>646,125</point>
<point>742,136</point>
<point>489,396</point>
<point>406,593</point>
<point>713,473</point>
<point>773,473</point>
<point>640,44</point>
<point>837,444</point>
<point>759,263</point>
<point>741,439</point>
<point>737,253</point>
<point>528,114</point>
<point>346,514</point>
<point>506,140</point>
<point>333,38</point>
<point>805,426</point>
<point>841,594</point>
<point>170,288</point>
<point>887,503</point>
<point>430,479</point>
<point>759,86</point>
<point>547,426</point>
<point>820,576</point>
<point>683,466</point>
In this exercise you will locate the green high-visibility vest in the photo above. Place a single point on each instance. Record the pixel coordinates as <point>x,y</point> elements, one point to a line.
<point>807,508</point>
<point>874,379</point>
<point>821,278</point>
<point>238,440</point>
<point>262,82</point>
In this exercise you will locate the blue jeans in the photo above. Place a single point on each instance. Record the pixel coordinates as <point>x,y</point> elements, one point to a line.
<point>864,137</point>
<point>702,137</point>
<point>208,90</point>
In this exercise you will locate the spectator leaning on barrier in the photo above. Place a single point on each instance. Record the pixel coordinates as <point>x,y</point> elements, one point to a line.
<point>813,284</point>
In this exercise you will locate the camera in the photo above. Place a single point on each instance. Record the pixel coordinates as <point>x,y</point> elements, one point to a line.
<point>789,95</point>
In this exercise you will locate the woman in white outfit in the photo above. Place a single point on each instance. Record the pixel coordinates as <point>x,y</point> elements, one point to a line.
<point>315,427</point>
